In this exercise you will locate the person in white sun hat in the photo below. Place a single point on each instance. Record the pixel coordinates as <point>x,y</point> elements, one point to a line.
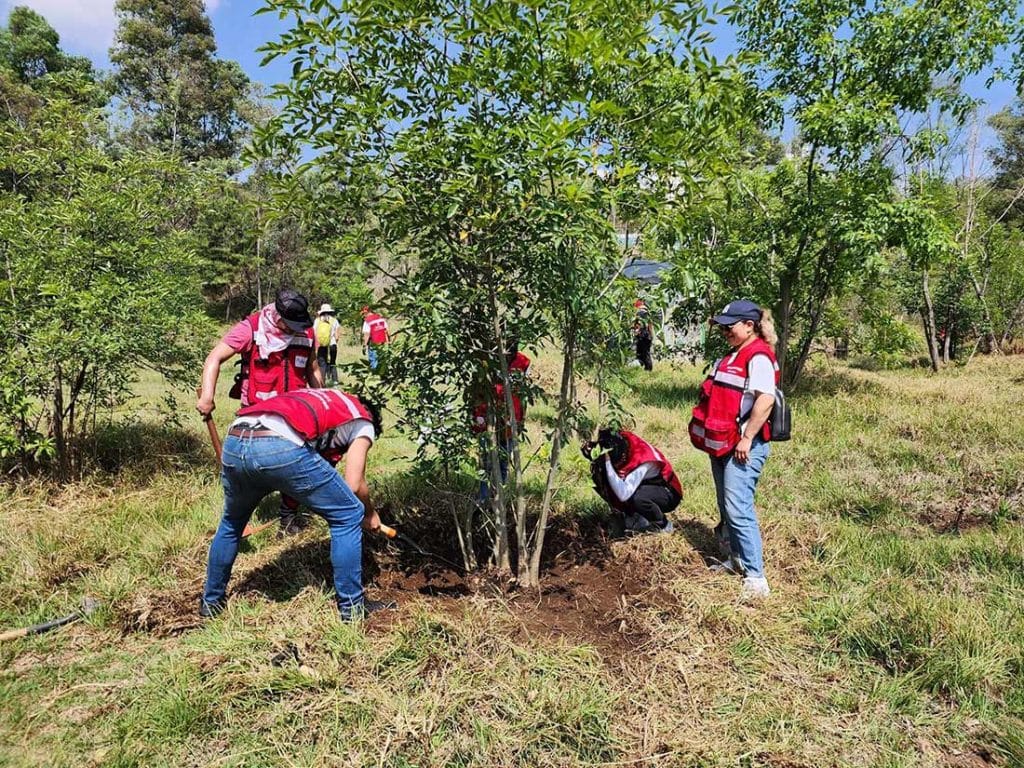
<point>328,334</point>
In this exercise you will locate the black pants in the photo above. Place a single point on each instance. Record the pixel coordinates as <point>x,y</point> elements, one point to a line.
<point>653,501</point>
<point>643,353</point>
<point>323,353</point>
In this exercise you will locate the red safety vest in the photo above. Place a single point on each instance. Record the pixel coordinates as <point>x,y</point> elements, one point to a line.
<point>312,412</point>
<point>520,365</point>
<point>639,451</point>
<point>378,328</point>
<point>282,371</point>
<point>714,426</point>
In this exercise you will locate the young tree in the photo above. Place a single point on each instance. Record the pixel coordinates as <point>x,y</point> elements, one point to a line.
<point>493,141</point>
<point>99,279</point>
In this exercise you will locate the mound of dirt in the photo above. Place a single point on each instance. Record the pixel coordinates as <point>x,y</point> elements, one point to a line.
<point>162,614</point>
<point>588,594</point>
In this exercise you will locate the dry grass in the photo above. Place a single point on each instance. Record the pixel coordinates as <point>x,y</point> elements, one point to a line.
<point>893,637</point>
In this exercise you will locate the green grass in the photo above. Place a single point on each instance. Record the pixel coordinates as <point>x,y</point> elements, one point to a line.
<point>894,637</point>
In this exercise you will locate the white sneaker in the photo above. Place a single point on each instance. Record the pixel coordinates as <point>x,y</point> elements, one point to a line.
<point>754,588</point>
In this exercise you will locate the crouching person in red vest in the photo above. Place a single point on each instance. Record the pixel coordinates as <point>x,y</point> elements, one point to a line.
<point>635,479</point>
<point>290,443</point>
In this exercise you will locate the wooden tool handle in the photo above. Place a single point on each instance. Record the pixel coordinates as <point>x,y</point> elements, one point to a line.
<point>388,531</point>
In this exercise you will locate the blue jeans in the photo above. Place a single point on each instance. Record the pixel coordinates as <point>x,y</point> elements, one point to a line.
<point>504,453</point>
<point>735,484</point>
<point>371,355</point>
<point>256,466</point>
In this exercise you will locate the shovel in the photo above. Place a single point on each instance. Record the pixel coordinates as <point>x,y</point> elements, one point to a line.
<point>391,533</point>
<point>88,606</point>
<point>250,529</point>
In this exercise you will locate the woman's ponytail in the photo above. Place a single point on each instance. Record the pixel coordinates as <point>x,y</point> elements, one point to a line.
<point>766,327</point>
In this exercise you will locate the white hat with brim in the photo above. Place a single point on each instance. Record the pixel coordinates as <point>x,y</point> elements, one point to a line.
<point>326,309</point>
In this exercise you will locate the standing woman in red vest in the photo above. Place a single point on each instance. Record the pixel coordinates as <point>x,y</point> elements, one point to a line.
<point>635,479</point>
<point>278,351</point>
<point>730,423</point>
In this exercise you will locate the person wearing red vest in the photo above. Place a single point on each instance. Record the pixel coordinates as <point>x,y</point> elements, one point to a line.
<point>518,370</point>
<point>278,354</point>
<point>635,479</point>
<point>375,334</point>
<point>730,422</point>
<point>290,443</point>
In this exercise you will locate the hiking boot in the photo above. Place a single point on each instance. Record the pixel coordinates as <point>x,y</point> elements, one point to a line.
<point>636,524</point>
<point>211,610</point>
<point>724,566</point>
<point>754,588</point>
<point>364,609</point>
<point>665,527</point>
<point>292,524</point>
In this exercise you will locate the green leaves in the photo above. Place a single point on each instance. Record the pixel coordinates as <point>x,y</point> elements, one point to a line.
<point>101,279</point>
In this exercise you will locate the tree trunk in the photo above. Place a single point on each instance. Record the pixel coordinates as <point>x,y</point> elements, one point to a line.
<point>784,317</point>
<point>928,318</point>
<point>565,401</point>
<point>57,424</point>
<point>1011,323</point>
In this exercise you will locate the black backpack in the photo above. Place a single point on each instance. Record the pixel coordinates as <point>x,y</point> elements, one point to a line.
<point>781,420</point>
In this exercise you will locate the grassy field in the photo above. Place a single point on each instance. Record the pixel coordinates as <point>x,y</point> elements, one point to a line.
<point>894,637</point>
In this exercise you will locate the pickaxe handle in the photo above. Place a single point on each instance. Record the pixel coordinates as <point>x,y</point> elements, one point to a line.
<point>38,629</point>
<point>388,531</point>
<point>212,429</point>
<point>252,530</point>
<point>88,606</point>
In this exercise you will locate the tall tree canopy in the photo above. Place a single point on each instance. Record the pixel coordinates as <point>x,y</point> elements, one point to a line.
<point>183,98</point>
<point>30,48</point>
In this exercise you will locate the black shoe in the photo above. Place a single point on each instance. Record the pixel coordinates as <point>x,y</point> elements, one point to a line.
<point>211,610</point>
<point>292,524</point>
<point>364,609</point>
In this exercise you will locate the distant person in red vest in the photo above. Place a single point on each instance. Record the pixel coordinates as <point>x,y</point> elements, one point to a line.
<point>278,354</point>
<point>290,443</point>
<point>518,370</point>
<point>375,334</point>
<point>635,479</point>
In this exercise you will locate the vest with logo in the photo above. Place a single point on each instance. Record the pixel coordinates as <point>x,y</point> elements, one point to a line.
<point>714,425</point>
<point>378,328</point>
<point>639,451</point>
<point>282,371</point>
<point>314,414</point>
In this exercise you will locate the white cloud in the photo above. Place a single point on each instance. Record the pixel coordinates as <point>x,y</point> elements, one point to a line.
<point>85,26</point>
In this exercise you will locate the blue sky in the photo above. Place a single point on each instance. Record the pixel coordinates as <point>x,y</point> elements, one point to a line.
<point>86,27</point>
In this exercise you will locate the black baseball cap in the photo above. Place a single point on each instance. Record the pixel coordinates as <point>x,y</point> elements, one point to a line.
<point>293,308</point>
<point>738,310</point>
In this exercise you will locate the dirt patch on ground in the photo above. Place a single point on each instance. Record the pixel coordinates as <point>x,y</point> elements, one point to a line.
<point>976,758</point>
<point>589,594</point>
<point>164,613</point>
